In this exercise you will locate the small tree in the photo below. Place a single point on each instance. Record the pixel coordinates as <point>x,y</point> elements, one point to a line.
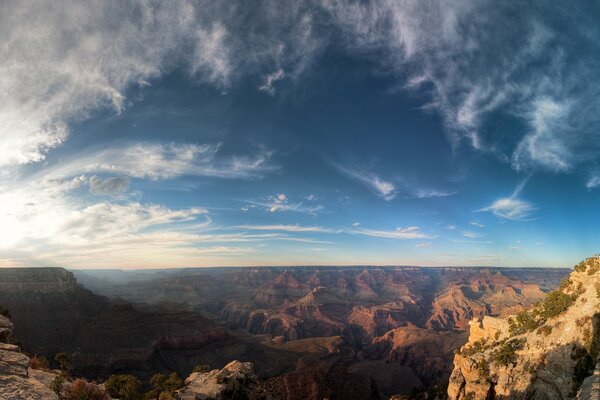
<point>83,390</point>
<point>123,387</point>
<point>64,363</point>
<point>57,384</point>
<point>162,383</point>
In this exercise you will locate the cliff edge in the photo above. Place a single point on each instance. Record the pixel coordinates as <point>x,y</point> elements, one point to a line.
<point>548,352</point>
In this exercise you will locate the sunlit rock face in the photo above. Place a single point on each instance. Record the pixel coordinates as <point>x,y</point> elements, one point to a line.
<point>235,381</point>
<point>546,353</point>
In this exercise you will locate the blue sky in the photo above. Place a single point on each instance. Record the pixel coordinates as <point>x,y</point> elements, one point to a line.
<point>189,133</point>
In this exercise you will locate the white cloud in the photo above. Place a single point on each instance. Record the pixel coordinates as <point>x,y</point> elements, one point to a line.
<point>477,224</point>
<point>162,161</point>
<point>270,80</point>
<point>411,232</point>
<point>290,228</point>
<point>450,227</point>
<point>546,146</point>
<point>470,235</point>
<point>59,64</point>
<point>422,193</point>
<point>382,188</point>
<point>459,52</point>
<point>511,208</point>
<point>280,202</point>
<point>593,182</point>
<point>356,224</point>
<point>423,245</point>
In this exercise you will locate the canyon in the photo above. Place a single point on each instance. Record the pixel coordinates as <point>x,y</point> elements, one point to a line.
<point>375,331</point>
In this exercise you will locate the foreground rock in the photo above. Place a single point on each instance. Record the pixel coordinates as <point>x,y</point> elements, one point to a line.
<point>546,353</point>
<point>235,381</point>
<point>17,382</point>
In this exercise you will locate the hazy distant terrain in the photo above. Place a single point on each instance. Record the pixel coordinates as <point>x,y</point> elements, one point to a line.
<point>397,325</point>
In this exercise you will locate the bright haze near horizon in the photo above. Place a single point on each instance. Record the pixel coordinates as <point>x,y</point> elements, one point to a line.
<point>148,134</point>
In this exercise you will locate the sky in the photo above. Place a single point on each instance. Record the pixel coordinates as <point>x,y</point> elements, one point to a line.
<point>149,134</point>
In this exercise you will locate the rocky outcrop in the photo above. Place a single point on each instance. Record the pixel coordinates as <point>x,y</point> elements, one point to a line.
<point>235,381</point>
<point>17,381</point>
<point>544,353</point>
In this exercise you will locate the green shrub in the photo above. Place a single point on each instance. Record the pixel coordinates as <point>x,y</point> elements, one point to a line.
<point>162,383</point>
<point>524,322</point>
<point>123,387</point>
<point>580,267</point>
<point>564,284</point>
<point>475,348</point>
<point>556,303</point>
<point>505,353</point>
<point>64,362</point>
<point>57,384</point>
<point>483,368</point>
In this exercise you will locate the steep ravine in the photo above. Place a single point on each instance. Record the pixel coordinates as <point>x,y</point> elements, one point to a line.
<point>544,353</point>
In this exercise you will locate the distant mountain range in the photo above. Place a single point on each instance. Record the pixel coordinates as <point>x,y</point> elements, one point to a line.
<point>385,329</point>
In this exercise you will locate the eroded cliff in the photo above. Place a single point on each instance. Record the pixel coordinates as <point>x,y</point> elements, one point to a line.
<point>543,353</point>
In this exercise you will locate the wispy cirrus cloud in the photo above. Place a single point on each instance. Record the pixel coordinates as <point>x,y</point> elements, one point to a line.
<point>593,182</point>
<point>281,203</point>
<point>411,232</point>
<point>512,208</point>
<point>385,189</point>
<point>163,161</point>
<point>459,53</point>
<point>290,228</point>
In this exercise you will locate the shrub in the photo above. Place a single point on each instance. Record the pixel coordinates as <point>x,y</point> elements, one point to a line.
<point>564,284</point>
<point>57,384</point>
<point>64,363</point>
<point>83,390</point>
<point>39,363</point>
<point>505,353</point>
<point>123,387</point>
<point>483,368</point>
<point>475,348</point>
<point>202,368</point>
<point>556,303</point>
<point>525,322</point>
<point>580,267</point>
<point>594,267</point>
<point>162,383</point>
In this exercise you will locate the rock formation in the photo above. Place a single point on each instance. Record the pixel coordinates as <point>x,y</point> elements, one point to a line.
<point>544,353</point>
<point>53,313</point>
<point>17,381</point>
<point>235,381</point>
